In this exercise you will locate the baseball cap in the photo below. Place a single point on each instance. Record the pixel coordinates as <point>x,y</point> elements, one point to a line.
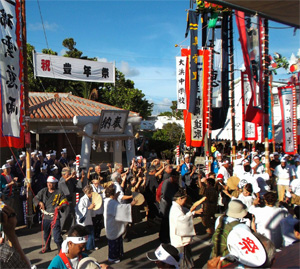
<point>165,253</point>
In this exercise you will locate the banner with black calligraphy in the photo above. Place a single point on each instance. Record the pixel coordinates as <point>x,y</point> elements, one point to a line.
<point>180,78</point>
<point>11,68</point>
<point>287,99</point>
<point>59,67</point>
<point>249,129</point>
<point>297,85</point>
<point>195,124</point>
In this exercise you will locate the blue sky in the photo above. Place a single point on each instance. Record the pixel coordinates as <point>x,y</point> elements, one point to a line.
<point>140,36</point>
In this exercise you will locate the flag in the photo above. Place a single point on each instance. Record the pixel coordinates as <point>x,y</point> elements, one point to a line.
<point>196,123</point>
<point>249,32</point>
<point>220,82</point>
<point>11,70</point>
<point>287,99</point>
<point>192,27</point>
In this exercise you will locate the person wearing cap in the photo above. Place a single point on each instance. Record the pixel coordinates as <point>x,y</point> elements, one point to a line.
<point>165,256</point>
<point>182,227</point>
<point>21,167</point>
<point>51,200</point>
<point>284,174</point>
<point>7,183</point>
<point>63,161</point>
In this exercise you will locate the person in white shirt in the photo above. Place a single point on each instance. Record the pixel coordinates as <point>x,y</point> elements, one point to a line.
<point>257,166</point>
<point>267,218</point>
<point>181,226</point>
<point>246,176</point>
<point>223,173</point>
<point>83,213</point>
<point>116,217</point>
<point>284,174</point>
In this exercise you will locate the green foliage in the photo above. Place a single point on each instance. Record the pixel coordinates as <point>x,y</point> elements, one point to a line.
<point>123,94</point>
<point>177,114</point>
<point>166,139</point>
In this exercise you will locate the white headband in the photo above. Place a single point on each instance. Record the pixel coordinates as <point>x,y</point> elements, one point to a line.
<point>165,257</point>
<point>73,239</point>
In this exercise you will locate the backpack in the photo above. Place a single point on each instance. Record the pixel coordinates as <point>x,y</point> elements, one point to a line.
<point>219,239</point>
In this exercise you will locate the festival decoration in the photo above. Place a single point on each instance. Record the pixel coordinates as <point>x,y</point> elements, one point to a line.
<point>11,71</point>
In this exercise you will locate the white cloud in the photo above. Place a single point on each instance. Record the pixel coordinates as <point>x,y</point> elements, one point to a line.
<point>63,52</point>
<point>127,70</point>
<point>102,60</point>
<point>38,26</point>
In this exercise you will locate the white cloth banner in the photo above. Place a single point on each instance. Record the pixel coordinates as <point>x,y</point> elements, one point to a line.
<point>180,76</point>
<point>10,71</point>
<point>287,98</point>
<point>59,67</point>
<point>250,129</point>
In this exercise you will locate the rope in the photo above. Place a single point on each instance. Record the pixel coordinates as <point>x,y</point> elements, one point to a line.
<point>55,215</point>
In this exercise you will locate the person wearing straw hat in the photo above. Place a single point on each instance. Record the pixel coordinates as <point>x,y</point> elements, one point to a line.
<point>51,201</point>
<point>165,256</point>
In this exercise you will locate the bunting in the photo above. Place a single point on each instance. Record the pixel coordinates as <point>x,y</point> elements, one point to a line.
<point>11,70</point>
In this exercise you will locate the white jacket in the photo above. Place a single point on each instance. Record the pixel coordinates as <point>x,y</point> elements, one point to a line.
<point>181,224</point>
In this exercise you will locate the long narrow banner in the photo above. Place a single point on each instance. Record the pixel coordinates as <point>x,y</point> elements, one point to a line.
<point>192,27</point>
<point>249,129</point>
<point>297,86</point>
<point>249,33</point>
<point>11,70</point>
<point>287,99</point>
<point>180,77</point>
<point>59,67</point>
<point>195,127</point>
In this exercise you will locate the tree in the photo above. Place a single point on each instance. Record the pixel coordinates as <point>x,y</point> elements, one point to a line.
<point>177,114</point>
<point>125,95</point>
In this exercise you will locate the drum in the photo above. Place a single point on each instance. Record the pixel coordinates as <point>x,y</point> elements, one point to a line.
<point>97,200</point>
<point>233,182</point>
<point>139,198</point>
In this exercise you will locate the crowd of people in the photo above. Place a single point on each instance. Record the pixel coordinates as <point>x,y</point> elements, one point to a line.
<point>248,196</point>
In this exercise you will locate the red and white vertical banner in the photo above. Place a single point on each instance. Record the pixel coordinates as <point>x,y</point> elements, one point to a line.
<point>177,154</point>
<point>287,99</point>
<point>77,174</point>
<point>11,69</point>
<point>249,129</point>
<point>180,78</point>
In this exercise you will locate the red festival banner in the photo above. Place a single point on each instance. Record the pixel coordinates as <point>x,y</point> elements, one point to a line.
<point>287,99</point>
<point>250,33</point>
<point>249,129</point>
<point>11,68</point>
<point>195,124</point>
